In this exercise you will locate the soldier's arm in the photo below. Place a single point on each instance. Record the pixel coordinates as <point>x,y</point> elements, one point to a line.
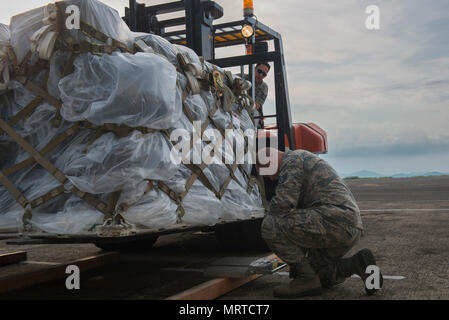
<point>289,186</point>
<point>261,94</point>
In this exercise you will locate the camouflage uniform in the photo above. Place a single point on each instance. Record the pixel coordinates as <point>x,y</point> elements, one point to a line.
<point>261,93</point>
<point>260,97</point>
<point>313,214</point>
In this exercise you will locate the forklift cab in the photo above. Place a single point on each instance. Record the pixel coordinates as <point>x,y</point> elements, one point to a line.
<point>199,32</point>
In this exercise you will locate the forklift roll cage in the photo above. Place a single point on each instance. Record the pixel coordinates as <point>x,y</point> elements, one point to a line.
<point>202,36</point>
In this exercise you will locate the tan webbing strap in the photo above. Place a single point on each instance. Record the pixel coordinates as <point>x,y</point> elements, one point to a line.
<point>47,197</point>
<point>91,32</point>
<point>69,67</point>
<point>92,200</point>
<point>191,181</point>
<point>120,130</point>
<point>175,197</point>
<point>25,111</point>
<point>48,148</point>
<point>30,107</point>
<point>214,108</point>
<point>198,174</point>
<point>190,72</point>
<point>36,155</point>
<point>222,90</point>
<point>184,105</point>
<point>252,181</point>
<point>150,186</point>
<point>228,75</point>
<point>190,117</point>
<point>169,192</point>
<point>222,131</point>
<point>39,92</point>
<point>45,80</point>
<point>113,200</point>
<point>125,206</point>
<point>197,170</point>
<point>12,189</point>
<point>87,47</point>
<point>261,184</point>
<point>194,168</point>
<point>228,180</point>
<point>23,63</point>
<point>98,134</point>
<point>232,173</point>
<point>75,47</point>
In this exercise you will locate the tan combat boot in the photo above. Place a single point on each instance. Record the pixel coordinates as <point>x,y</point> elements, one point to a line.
<point>305,283</point>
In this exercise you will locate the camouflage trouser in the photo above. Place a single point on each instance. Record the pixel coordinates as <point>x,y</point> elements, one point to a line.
<point>293,237</point>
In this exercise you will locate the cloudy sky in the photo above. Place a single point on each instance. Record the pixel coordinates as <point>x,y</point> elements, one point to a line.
<point>381,95</point>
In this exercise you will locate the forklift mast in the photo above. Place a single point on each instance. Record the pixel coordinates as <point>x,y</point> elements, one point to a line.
<point>203,36</point>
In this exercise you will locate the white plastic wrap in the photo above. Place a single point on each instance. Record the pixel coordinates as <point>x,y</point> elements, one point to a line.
<point>22,27</point>
<point>57,64</point>
<point>161,46</point>
<point>201,206</point>
<point>111,163</point>
<point>8,105</point>
<point>220,117</point>
<point>105,19</point>
<point>237,203</point>
<point>11,219</point>
<point>136,90</point>
<point>23,96</point>
<point>152,210</point>
<point>168,50</point>
<point>93,12</point>
<point>77,217</point>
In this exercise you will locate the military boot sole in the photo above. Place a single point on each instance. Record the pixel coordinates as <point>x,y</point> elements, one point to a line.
<point>366,258</point>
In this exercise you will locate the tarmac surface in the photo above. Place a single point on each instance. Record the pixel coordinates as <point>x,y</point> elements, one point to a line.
<point>406,226</point>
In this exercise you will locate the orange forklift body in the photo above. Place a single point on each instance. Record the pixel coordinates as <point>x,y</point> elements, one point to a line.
<point>307,136</point>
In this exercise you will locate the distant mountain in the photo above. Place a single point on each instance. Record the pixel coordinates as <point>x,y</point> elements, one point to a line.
<point>419,174</point>
<point>363,174</point>
<point>372,174</point>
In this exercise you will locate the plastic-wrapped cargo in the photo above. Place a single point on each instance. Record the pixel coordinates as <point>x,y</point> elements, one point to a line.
<point>40,22</point>
<point>106,126</point>
<point>102,86</point>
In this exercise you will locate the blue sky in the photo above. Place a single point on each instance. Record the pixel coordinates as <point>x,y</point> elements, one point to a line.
<point>382,96</point>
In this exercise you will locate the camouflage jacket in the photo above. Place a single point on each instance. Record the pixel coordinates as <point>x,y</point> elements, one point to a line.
<point>261,92</point>
<point>307,182</point>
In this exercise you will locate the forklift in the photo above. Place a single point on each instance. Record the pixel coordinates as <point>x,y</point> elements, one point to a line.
<point>198,31</point>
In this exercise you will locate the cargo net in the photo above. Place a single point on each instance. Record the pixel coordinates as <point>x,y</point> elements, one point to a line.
<point>87,118</point>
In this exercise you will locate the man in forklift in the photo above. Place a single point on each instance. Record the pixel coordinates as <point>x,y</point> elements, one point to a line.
<point>312,222</point>
<point>261,70</point>
<point>261,93</point>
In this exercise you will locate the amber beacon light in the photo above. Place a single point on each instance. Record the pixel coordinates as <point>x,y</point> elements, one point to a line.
<point>248,8</point>
<point>247,31</point>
